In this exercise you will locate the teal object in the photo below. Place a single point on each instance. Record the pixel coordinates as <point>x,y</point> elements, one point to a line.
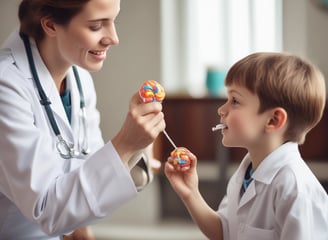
<point>215,81</point>
<point>325,2</point>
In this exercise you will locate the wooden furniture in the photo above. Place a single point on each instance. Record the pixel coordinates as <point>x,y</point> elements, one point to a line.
<point>189,123</point>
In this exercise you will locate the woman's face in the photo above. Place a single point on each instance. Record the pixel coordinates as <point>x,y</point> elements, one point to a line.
<point>87,38</point>
<point>245,125</point>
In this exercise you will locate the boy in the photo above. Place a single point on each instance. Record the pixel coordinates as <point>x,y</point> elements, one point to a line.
<point>274,100</point>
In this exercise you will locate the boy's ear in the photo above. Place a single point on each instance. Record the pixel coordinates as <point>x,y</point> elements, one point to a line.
<point>277,120</point>
<point>48,26</point>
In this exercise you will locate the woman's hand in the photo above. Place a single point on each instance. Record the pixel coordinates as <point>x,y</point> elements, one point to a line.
<point>142,125</point>
<point>84,233</point>
<point>184,180</point>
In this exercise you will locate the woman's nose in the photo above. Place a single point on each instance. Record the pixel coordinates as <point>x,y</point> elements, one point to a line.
<point>110,37</point>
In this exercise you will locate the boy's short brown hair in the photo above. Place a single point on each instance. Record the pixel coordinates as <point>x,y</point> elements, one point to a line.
<point>287,81</point>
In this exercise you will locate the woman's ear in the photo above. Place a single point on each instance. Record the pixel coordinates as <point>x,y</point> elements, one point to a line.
<point>48,26</point>
<point>277,120</point>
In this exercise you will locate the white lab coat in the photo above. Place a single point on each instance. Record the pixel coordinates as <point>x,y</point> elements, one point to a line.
<point>35,194</point>
<point>284,201</point>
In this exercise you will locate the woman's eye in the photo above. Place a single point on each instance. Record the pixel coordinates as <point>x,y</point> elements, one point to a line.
<point>95,27</point>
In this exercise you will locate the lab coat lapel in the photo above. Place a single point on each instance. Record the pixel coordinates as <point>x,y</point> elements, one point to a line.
<point>48,85</point>
<point>57,105</point>
<point>237,184</point>
<point>75,102</point>
<point>15,43</point>
<point>267,170</point>
<point>248,195</point>
<point>250,192</point>
<point>51,91</point>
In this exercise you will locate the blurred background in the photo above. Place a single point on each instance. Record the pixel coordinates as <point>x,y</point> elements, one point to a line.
<point>188,45</point>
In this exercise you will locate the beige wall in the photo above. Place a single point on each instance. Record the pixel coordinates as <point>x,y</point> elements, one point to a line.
<point>305,31</point>
<point>136,59</point>
<point>8,17</point>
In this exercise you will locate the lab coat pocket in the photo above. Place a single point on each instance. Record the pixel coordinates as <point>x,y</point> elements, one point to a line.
<point>250,232</point>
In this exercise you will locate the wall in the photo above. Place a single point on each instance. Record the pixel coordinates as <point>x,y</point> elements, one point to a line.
<point>8,15</point>
<point>304,31</point>
<point>136,59</point>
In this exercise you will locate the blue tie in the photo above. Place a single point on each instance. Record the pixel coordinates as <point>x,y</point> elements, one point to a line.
<point>248,177</point>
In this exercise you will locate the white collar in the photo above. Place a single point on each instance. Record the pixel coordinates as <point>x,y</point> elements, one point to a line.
<point>277,159</point>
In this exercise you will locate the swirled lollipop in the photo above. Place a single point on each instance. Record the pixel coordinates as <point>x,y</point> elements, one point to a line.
<point>180,157</point>
<point>151,91</point>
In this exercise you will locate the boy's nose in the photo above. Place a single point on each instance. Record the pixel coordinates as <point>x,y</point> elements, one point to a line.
<point>221,113</point>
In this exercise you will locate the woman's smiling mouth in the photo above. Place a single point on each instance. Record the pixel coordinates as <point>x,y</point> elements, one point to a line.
<point>99,55</point>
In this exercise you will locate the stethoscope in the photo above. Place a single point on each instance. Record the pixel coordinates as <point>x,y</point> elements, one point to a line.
<point>65,149</point>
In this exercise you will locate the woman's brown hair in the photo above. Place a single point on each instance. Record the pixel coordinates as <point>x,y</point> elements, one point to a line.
<point>287,81</point>
<point>61,12</point>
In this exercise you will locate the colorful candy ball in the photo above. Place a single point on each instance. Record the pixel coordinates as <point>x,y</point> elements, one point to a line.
<point>180,157</point>
<point>151,91</point>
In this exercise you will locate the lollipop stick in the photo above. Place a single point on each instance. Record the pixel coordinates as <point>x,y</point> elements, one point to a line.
<point>170,140</point>
<point>218,127</point>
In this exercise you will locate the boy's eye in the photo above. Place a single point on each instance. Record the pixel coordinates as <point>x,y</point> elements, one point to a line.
<point>234,101</point>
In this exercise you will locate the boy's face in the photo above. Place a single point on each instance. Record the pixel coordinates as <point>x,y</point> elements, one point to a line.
<point>245,126</point>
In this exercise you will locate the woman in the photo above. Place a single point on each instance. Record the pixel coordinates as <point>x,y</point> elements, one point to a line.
<point>56,173</point>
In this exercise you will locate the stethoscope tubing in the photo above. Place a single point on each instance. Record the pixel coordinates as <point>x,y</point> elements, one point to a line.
<point>62,145</point>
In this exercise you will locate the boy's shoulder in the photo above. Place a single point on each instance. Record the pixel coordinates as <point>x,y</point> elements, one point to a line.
<point>296,179</point>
